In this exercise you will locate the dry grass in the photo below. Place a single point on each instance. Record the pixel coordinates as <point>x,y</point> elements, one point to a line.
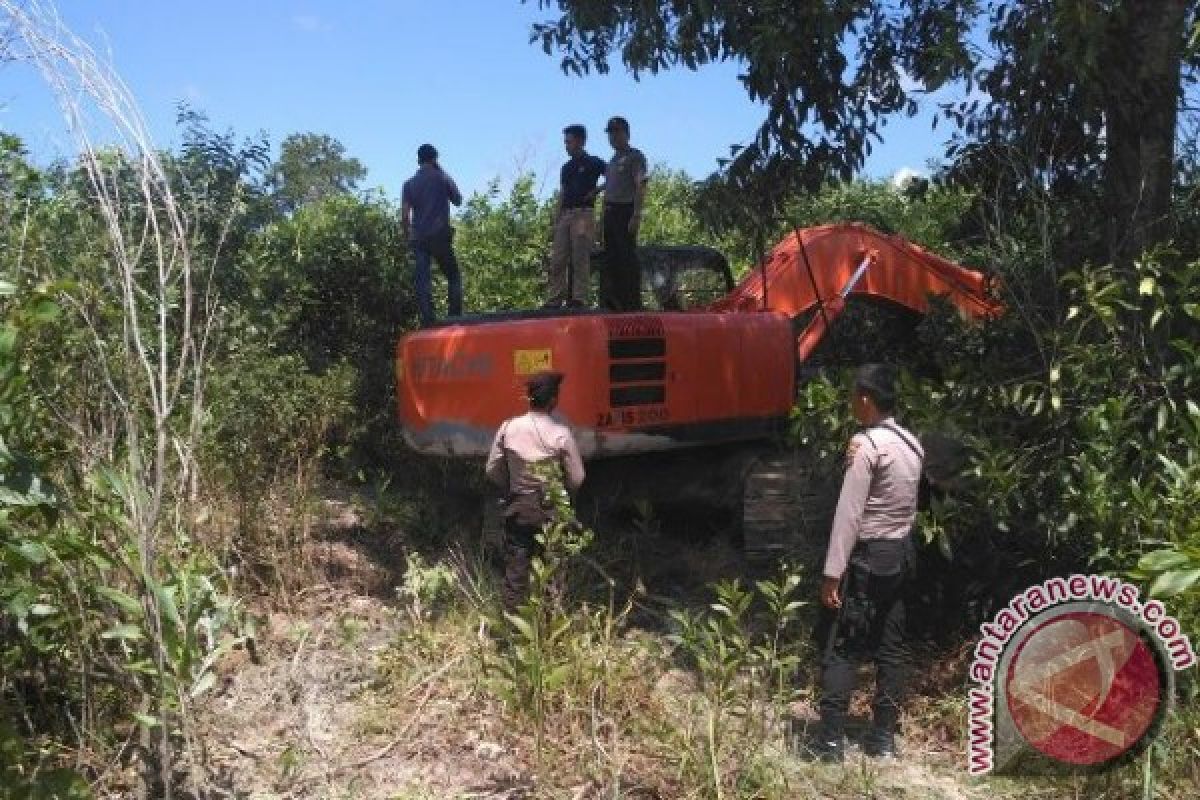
<point>356,695</point>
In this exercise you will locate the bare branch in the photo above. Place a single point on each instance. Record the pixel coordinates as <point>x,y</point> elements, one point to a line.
<point>157,353</point>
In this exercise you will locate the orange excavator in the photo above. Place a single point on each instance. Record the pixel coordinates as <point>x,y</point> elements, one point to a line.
<point>715,367</point>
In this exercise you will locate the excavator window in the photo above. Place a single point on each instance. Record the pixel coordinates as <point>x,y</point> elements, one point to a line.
<point>683,278</point>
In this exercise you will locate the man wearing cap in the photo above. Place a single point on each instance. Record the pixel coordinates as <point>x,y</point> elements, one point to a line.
<point>425,213</point>
<point>533,438</point>
<point>574,222</point>
<point>869,559</point>
<point>624,193</point>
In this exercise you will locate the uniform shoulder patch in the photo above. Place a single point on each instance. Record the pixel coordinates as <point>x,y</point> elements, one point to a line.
<point>856,444</point>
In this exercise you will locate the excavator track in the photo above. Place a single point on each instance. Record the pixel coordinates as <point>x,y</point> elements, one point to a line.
<point>787,506</point>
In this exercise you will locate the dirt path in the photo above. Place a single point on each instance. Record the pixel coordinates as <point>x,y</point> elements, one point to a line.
<point>349,699</point>
<point>306,722</point>
<point>307,719</point>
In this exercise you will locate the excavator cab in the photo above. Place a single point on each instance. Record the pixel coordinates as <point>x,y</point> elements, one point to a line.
<point>683,278</point>
<point>678,277</point>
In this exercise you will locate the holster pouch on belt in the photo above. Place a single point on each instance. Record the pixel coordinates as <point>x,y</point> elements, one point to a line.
<point>857,610</point>
<point>886,557</point>
<point>528,508</point>
<point>871,558</point>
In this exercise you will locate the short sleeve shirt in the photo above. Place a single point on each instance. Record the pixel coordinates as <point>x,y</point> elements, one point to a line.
<point>879,491</point>
<point>533,438</point>
<point>578,179</point>
<point>429,192</point>
<point>623,175</point>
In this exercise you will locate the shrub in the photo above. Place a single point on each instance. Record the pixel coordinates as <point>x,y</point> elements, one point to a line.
<point>269,423</point>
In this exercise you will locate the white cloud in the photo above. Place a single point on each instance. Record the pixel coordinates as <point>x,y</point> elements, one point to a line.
<point>309,23</point>
<point>904,176</point>
<point>193,95</point>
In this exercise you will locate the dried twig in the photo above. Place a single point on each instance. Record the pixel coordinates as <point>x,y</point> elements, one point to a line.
<point>386,750</point>
<point>162,336</point>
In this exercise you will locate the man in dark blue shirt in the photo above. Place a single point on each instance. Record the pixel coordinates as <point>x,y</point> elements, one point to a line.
<point>426,215</point>
<point>574,222</point>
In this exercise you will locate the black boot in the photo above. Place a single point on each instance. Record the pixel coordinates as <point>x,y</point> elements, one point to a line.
<point>829,742</point>
<point>827,750</point>
<point>880,744</point>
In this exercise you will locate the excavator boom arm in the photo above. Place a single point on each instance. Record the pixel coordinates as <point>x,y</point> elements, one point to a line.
<point>818,268</point>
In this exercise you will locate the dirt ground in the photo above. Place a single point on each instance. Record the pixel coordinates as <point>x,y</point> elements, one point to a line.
<point>314,715</point>
<point>293,726</point>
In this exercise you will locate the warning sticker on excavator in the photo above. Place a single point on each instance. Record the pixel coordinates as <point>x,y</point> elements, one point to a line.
<point>528,362</point>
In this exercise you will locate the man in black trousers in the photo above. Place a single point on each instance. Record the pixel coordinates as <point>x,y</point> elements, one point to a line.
<point>869,560</point>
<point>624,195</point>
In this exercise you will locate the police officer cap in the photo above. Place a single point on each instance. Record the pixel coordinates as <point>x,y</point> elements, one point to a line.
<point>544,385</point>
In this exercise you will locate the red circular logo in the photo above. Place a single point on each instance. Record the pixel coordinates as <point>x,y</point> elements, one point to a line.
<point>1083,688</point>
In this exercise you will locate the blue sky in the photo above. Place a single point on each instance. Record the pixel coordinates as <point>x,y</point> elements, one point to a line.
<point>382,77</point>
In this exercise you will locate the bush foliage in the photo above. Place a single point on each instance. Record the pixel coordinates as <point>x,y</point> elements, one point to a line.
<point>1079,409</point>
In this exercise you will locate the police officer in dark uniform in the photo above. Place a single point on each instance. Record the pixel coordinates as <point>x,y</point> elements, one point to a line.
<point>869,559</point>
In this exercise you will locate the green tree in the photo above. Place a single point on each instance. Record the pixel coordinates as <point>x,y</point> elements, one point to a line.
<point>672,216</point>
<point>329,284</point>
<point>1081,88</point>
<point>503,243</point>
<point>311,167</point>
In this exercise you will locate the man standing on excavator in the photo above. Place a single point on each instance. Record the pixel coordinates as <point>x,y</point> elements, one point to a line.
<point>521,442</point>
<point>425,216</point>
<point>869,560</point>
<point>574,222</point>
<point>624,195</point>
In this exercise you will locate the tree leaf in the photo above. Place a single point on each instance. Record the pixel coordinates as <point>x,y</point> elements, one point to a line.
<point>1161,560</point>
<point>557,677</point>
<point>46,310</point>
<point>1174,582</point>
<point>8,340</point>
<point>34,552</point>
<point>62,784</point>
<point>944,546</point>
<point>21,486</point>
<point>167,606</point>
<point>124,601</point>
<point>204,684</point>
<point>125,632</point>
<point>522,625</point>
